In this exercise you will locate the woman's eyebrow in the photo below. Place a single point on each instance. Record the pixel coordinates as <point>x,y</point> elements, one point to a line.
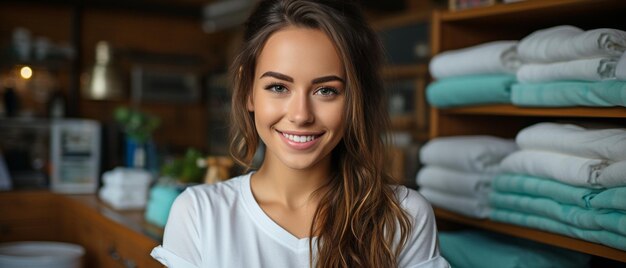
<point>318,80</point>
<point>327,78</point>
<point>278,76</point>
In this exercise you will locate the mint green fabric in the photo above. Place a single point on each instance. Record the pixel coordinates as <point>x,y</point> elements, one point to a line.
<point>604,237</point>
<point>473,248</point>
<point>540,187</point>
<point>593,219</point>
<point>470,90</point>
<point>570,93</point>
<point>612,198</point>
<point>573,215</point>
<point>160,202</point>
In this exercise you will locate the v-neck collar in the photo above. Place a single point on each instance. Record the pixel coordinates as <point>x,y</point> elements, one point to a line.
<point>266,223</point>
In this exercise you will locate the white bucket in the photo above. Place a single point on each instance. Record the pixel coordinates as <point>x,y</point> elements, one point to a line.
<point>41,254</point>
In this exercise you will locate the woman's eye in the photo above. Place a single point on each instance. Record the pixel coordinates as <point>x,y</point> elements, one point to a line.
<point>276,88</point>
<point>327,91</point>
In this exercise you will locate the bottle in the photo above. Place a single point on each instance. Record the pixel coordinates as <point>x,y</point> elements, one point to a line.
<point>11,102</point>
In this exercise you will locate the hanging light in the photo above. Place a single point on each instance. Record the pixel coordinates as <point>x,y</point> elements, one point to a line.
<point>104,81</point>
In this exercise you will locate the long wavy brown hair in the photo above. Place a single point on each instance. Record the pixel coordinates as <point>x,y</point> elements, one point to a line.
<point>359,221</point>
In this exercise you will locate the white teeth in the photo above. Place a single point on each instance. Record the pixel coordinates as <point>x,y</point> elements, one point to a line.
<point>299,139</point>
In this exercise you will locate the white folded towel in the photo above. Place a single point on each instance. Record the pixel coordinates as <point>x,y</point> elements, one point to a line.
<point>620,69</point>
<point>564,43</point>
<point>575,140</point>
<point>480,154</point>
<point>127,176</point>
<point>454,182</point>
<point>490,58</point>
<point>569,169</point>
<point>594,69</point>
<point>120,198</point>
<point>471,207</point>
<point>613,176</point>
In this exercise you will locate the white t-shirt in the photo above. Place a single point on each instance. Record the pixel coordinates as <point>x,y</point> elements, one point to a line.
<point>222,225</point>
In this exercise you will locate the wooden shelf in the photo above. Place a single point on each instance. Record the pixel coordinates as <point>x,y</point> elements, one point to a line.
<point>535,235</point>
<point>530,6</point>
<point>460,29</point>
<point>510,110</point>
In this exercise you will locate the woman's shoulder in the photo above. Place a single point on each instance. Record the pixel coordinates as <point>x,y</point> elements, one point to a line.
<point>412,201</point>
<point>228,190</point>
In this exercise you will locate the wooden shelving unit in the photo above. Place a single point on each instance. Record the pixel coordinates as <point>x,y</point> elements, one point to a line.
<point>535,235</point>
<point>459,29</point>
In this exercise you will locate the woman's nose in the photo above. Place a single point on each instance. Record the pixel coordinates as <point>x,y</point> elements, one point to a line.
<point>300,111</point>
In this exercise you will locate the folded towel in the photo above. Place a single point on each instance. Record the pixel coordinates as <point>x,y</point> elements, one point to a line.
<point>495,58</point>
<point>613,175</point>
<point>595,69</point>
<point>612,198</point>
<point>470,90</point>
<point>473,248</point>
<point>575,140</point>
<point>127,177</point>
<point>480,154</point>
<point>544,207</point>
<point>570,93</point>
<point>569,169</point>
<point>454,182</point>
<point>563,43</point>
<point>476,207</point>
<point>545,188</point>
<point>620,69</point>
<point>604,237</point>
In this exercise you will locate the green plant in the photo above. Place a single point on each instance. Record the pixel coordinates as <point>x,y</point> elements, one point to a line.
<point>137,125</point>
<point>185,169</point>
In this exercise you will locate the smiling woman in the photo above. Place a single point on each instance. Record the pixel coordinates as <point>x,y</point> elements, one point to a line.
<point>306,85</point>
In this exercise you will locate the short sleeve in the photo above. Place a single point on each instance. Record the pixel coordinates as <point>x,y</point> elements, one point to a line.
<point>421,249</point>
<point>181,238</point>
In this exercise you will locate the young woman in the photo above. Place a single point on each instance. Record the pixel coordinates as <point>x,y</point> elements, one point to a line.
<point>306,85</point>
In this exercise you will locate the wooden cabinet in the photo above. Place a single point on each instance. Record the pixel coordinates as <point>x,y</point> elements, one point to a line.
<point>454,30</point>
<point>29,216</point>
<point>111,238</point>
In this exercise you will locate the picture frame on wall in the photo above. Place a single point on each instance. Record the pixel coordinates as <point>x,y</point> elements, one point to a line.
<point>75,156</point>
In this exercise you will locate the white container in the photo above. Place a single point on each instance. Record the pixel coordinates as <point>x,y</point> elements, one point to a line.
<point>36,254</point>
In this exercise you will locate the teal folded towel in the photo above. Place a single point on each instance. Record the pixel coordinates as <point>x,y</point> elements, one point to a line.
<point>470,90</point>
<point>160,202</point>
<point>593,219</point>
<point>572,215</point>
<point>540,187</point>
<point>604,237</point>
<point>612,198</point>
<point>570,93</point>
<point>472,248</point>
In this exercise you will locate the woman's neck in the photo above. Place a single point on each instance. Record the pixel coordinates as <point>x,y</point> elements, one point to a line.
<point>293,188</point>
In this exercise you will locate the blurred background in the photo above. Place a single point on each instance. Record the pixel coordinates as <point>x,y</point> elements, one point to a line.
<point>164,60</point>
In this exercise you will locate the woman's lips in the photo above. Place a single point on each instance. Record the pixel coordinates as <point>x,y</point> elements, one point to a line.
<point>300,140</point>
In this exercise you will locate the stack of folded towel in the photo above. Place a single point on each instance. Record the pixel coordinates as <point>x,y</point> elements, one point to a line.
<point>480,74</point>
<point>125,188</point>
<point>458,172</point>
<point>566,179</point>
<point>567,66</point>
<point>473,248</point>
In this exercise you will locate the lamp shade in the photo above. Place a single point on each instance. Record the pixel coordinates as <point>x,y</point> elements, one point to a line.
<point>103,81</point>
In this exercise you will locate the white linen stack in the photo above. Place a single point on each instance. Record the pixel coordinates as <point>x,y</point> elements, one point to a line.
<point>495,57</point>
<point>594,158</point>
<point>458,172</point>
<point>125,188</point>
<point>569,53</point>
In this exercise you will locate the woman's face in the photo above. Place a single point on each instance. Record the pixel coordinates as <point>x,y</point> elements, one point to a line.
<point>298,98</point>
